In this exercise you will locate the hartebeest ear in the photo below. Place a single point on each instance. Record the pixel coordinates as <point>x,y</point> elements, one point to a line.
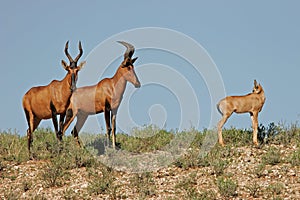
<point>255,83</point>
<point>133,60</point>
<point>81,65</point>
<point>64,64</point>
<point>126,62</point>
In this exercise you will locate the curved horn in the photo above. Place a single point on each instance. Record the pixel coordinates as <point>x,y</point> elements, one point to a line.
<point>66,52</point>
<point>80,52</point>
<point>130,49</point>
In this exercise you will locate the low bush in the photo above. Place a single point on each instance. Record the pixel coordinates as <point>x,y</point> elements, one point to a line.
<point>227,187</point>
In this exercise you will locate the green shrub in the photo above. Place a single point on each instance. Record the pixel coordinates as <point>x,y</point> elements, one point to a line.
<point>253,189</point>
<point>294,159</point>
<point>45,145</point>
<point>55,173</point>
<point>259,170</point>
<point>26,185</point>
<point>275,189</point>
<point>237,137</point>
<point>145,140</point>
<point>143,184</point>
<point>219,166</point>
<point>227,187</point>
<point>192,159</point>
<point>102,182</point>
<point>69,194</point>
<point>272,157</point>
<point>13,147</point>
<point>189,186</point>
<point>282,134</point>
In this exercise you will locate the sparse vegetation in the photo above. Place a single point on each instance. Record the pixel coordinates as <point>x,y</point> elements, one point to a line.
<point>238,171</point>
<point>227,187</point>
<point>143,185</point>
<point>253,189</point>
<point>272,157</point>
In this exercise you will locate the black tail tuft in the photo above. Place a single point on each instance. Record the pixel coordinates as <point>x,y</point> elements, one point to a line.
<point>218,107</point>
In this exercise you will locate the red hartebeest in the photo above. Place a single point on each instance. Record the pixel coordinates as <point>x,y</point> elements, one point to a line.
<point>105,96</point>
<point>45,102</point>
<point>251,103</point>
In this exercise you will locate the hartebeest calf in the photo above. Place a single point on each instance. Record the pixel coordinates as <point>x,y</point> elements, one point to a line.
<point>45,102</point>
<point>105,96</point>
<point>251,103</point>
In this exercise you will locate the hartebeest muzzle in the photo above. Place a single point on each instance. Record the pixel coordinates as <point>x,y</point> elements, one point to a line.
<point>73,83</point>
<point>137,84</point>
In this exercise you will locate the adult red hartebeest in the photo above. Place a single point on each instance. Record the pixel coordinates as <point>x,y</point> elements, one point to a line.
<point>105,96</point>
<point>251,103</point>
<point>45,102</point>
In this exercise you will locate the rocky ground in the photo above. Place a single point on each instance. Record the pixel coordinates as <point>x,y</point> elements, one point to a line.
<point>243,173</point>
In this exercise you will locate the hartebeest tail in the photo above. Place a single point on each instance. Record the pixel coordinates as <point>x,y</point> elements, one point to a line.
<point>45,102</point>
<point>251,103</point>
<point>105,96</point>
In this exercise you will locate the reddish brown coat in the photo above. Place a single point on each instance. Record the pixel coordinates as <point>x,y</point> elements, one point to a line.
<point>45,102</point>
<point>105,96</point>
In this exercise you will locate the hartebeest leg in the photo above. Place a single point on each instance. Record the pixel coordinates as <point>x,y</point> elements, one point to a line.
<point>33,123</point>
<point>220,126</point>
<point>61,123</point>
<point>54,121</point>
<point>107,122</point>
<point>70,115</point>
<point>81,118</point>
<point>113,123</point>
<point>254,118</point>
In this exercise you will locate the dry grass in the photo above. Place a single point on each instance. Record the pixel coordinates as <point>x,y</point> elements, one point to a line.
<point>237,171</point>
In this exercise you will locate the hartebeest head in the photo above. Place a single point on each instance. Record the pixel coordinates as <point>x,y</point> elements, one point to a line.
<point>257,88</point>
<point>127,68</point>
<point>73,68</point>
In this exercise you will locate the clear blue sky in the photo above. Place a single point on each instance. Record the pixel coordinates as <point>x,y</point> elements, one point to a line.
<point>246,39</point>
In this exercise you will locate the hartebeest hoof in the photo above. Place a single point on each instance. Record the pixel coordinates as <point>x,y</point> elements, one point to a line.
<point>222,144</point>
<point>255,144</point>
<point>78,142</point>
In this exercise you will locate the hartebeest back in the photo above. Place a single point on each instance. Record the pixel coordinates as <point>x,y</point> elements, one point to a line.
<point>251,103</point>
<point>105,96</point>
<point>45,102</point>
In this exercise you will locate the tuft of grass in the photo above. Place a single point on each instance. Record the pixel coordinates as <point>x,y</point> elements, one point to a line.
<point>227,187</point>
<point>13,147</point>
<point>237,137</point>
<point>259,170</point>
<point>26,185</point>
<point>189,187</point>
<point>283,134</point>
<point>191,159</point>
<point>143,185</point>
<point>219,159</point>
<point>276,189</point>
<point>55,173</point>
<point>253,189</point>
<point>45,144</point>
<point>294,159</point>
<point>145,140</point>
<point>69,194</point>
<point>272,157</point>
<point>102,182</point>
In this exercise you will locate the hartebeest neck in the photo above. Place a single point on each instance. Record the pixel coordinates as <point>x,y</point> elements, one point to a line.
<point>262,94</point>
<point>66,83</point>
<point>119,83</point>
